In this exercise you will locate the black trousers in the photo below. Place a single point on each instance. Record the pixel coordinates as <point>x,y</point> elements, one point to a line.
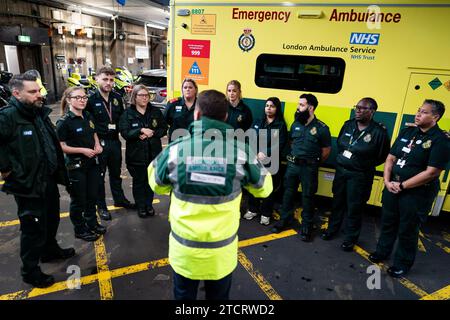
<point>142,193</point>
<point>402,215</point>
<point>306,175</point>
<point>264,206</point>
<point>351,190</point>
<point>39,221</point>
<point>186,289</point>
<point>111,159</point>
<point>83,196</point>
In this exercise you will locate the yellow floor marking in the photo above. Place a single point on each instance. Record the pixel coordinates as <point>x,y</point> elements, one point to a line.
<point>441,294</point>
<point>24,294</point>
<point>59,286</point>
<point>258,277</point>
<point>405,282</point>
<point>266,238</point>
<point>104,275</point>
<point>446,236</point>
<point>445,248</point>
<point>62,215</point>
<point>420,246</point>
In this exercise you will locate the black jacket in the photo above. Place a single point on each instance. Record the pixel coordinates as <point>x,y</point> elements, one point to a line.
<point>142,152</point>
<point>22,151</point>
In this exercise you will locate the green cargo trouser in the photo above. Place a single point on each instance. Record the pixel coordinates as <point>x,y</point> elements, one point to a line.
<point>402,214</point>
<point>306,175</point>
<point>351,190</point>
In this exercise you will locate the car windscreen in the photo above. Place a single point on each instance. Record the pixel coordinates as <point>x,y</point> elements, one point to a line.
<point>151,81</point>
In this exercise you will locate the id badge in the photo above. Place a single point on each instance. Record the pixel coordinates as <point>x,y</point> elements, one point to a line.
<point>406,149</point>
<point>347,154</point>
<point>401,163</point>
<point>111,126</point>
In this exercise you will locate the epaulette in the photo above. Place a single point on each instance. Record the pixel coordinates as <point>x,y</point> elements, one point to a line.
<point>381,124</point>
<point>174,100</point>
<point>323,124</point>
<point>446,133</point>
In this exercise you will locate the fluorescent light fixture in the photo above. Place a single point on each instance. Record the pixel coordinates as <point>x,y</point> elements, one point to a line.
<point>156,26</point>
<point>97,12</point>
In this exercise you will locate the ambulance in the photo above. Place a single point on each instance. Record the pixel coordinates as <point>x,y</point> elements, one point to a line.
<point>397,52</point>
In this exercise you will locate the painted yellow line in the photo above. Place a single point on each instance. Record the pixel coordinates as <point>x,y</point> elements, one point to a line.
<point>441,294</point>
<point>405,282</point>
<point>420,246</point>
<point>445,248</point>
<point>446,236</point>
<point>140,267</point>
<point>104,276</point>
<point>62,215</point>
<point>266,238</point>
<point>59,286</point>
<point>258,277</point>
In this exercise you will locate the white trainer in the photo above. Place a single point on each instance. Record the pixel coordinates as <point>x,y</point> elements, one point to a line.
<point>250,215</point>
<point>265,220</point>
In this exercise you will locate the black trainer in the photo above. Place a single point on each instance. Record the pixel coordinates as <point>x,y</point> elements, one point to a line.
<point>57,254</point>
<point>39,280</point>
<point>376,257</point>
<point>150,211</point>
<point>125,204</point>
<point>142,213</point>
<point>98,229</point>
<point>87,235</point>
<point>347,246</point>
<point>104,214</point>
<point>396,272</point>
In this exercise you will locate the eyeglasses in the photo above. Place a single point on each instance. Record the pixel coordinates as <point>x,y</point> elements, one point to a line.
<point>143,95</point>
<point>80,98</point>
<point>361,108</point>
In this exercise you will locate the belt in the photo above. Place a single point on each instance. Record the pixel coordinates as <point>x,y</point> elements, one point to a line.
<point>296,160</point>
<point>203,244</point>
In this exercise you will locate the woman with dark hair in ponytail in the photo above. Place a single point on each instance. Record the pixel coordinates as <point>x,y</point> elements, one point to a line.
<point>272,130</point>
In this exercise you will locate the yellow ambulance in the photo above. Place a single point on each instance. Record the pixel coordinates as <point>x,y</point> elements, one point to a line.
<point>397,52</point>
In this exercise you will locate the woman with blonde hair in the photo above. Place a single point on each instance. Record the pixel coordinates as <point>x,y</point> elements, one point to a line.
<point>239,114</point>
<point>142,125</point>
<point>79,141</point>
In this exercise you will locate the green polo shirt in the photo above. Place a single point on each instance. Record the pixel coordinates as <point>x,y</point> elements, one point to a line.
<point>366,149</point>
<point>308,141</point>
<point>430,148</point>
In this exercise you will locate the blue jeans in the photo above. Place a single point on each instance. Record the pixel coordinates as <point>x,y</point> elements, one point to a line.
<point>186,289</point>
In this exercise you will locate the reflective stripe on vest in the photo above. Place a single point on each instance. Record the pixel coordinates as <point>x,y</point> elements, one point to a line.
<point>204,245</point>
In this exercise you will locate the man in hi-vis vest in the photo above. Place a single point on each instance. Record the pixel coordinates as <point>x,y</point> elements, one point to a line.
<point>205,171</point>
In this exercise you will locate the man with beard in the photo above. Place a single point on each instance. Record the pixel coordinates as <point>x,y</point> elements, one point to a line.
<point>411,179</point>
<point>106,106</point>
<point>310,145</point>
<point>362,144</point>
<point>32,164</point>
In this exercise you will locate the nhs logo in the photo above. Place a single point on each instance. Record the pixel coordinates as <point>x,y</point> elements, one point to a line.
<point>364,38</point>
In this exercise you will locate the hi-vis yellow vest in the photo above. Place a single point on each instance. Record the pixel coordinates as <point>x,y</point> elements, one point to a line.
<point>206,194</point>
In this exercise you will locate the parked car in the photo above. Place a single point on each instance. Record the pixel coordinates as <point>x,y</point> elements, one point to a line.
<point>156,81</point>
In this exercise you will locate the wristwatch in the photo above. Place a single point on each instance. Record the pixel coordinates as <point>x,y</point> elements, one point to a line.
<point>401,186</point>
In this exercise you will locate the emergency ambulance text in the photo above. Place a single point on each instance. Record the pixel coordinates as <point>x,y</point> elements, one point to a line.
<point>261,16</point>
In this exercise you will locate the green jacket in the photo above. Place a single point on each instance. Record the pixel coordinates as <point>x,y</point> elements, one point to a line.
<point>206,178</point>
<point>22,152</point>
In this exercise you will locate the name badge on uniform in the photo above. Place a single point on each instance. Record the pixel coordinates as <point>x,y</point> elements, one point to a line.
<point>134,125</point>
<point>28,133</point>
<point>406,149</point>
<point>111,126</point>
<point>178,108</point>
<point>348,135</point>
<point>79,129</point>
<point>98,104</point>
<point>401,163</point>
<point>347,154</point>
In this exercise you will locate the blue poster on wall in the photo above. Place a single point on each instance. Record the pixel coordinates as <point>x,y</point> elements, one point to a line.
<point>121,2</point>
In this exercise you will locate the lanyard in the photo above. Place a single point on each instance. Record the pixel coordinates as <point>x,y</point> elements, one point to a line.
<point>351,142</point>
<point>410,146</point>
<point>109,111</point>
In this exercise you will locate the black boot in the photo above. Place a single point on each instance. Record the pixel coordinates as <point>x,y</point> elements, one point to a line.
<point>142,213</point>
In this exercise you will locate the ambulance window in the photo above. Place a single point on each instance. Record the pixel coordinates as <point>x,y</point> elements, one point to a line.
<point>301,73</point>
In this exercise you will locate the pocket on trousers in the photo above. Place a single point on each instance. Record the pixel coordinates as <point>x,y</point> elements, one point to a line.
<point>30,224</point>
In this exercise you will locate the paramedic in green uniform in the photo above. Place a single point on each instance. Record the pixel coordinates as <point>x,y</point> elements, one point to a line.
<point>411,178</point>
<point>362,145</point>
<point>310,146</point>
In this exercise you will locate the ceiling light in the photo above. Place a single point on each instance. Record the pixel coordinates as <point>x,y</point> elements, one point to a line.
<point>156,26</point>
<point>97,12</point>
